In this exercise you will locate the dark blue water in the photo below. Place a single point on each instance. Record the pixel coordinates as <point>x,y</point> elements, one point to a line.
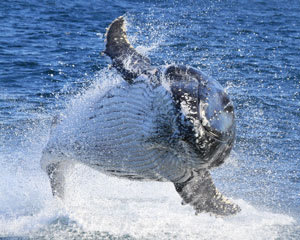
<point>50,55</point>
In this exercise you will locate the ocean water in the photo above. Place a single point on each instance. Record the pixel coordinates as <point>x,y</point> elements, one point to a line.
<point>50,60</point>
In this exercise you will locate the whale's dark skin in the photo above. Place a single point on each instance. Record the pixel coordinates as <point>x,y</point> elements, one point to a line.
<point>203,118</point>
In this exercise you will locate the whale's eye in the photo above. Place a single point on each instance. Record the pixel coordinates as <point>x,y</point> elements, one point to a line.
<point>228,108</point>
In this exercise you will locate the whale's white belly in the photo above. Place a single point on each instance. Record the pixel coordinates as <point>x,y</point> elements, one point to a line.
<point>116,134</point>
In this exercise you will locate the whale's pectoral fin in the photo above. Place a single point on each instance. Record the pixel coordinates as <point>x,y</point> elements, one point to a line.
<point>200,192</point>
<point>56,175</point>
<point>125,58</point>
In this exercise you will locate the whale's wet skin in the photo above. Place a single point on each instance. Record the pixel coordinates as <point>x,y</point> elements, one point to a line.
<point>151,126</point>
<point>50,68</point>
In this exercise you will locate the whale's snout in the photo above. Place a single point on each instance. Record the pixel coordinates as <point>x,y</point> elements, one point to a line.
<point>216,111</point>
<point>202,100</point>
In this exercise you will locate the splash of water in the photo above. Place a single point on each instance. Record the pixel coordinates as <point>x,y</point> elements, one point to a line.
<point>98,203</point>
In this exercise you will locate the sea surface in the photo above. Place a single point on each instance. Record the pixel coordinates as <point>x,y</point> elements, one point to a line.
<point>50,59</point>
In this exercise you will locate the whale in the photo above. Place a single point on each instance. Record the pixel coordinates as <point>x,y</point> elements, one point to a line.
<point>168,123</point>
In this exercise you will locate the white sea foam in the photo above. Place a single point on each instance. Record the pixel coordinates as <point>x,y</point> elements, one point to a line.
<point>149,209</point>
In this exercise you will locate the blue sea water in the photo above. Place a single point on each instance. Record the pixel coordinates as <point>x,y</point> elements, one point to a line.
<point>50,59</point>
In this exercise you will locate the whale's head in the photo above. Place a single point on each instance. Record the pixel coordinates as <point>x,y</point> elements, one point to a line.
<point>206,109</point>
<point>215,109</point>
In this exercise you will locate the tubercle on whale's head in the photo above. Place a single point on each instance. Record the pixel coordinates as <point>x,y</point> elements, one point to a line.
<point>204,104</point>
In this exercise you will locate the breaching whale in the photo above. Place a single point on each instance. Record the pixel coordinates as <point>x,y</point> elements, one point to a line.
<point>163,124</point>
